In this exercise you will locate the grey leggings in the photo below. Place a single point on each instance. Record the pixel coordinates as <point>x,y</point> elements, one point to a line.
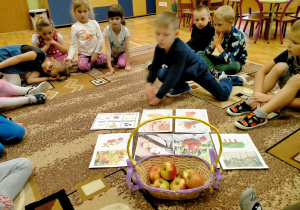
<point>13,176</point>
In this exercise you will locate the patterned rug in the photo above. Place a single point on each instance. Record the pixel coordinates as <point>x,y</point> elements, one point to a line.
<point>60,145</point>
<point>288,149</point>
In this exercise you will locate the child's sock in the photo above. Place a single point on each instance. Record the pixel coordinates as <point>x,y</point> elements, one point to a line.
<point>15,101</point>
<point>260,114</point>
<point>249,200</point>
<point>8,89</point>
<point>248,101</point>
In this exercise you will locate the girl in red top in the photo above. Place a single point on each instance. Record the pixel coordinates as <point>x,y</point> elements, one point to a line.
<point>49,40</point>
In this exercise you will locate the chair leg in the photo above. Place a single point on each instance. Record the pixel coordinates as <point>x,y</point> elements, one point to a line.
<point>245,26</point>
<point>251,29</point>
<point>284,28</point>
<point>280,29</point>
<point>180,20</point>
<point>258,29</point>
<point>276,29</point>
<point>192,23</point>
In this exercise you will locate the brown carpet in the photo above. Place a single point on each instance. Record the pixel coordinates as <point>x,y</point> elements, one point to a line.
<point>60,145</point>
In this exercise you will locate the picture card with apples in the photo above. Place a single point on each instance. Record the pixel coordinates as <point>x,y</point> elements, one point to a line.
<point>193,144</point>
<point>110,150</point>
<point>164,125</point>
<point>239,152</point>
<point>191,126</point>
<point>153,144</point>
<point>116,120</point>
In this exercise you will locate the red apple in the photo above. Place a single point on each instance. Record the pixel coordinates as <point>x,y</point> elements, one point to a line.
<point>186,173</point>
<point>168,171</point>
<point>194,180</point>
<point>178,184</point>
<point>161,183</point>
<point>154,173</point>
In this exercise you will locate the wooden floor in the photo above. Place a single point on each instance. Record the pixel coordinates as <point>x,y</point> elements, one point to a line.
<point>142,33</point>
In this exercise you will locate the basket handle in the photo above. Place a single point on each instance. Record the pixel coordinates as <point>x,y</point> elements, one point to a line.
<point>130,172</point>
<point>177,117</point>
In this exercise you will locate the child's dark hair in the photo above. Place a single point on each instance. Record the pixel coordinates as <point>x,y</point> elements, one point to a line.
<point>116,10</point>
<point>43,22</point>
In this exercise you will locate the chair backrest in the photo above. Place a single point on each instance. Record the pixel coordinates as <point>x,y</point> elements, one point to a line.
<point>250,5</point>
<point>291,7</point>
<point>185,4</point>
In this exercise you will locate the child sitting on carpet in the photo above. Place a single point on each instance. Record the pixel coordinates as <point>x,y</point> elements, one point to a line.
<point>203,31</point>
<point>13,176</point>
<point>86,34</point>
<point>174,63</point>
<point>19,59</point>
<point>49,40</point>
<point>117,39</point>
<point>284,69</point>
<point>229,42</point>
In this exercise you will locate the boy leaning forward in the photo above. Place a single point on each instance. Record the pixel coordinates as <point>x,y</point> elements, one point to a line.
<point>175,63</point>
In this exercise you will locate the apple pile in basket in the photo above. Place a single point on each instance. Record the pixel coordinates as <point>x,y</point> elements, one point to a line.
<point>170,177</point>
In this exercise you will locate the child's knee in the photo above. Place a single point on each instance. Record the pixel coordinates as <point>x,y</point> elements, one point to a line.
<point>121,63</point>
<point>15,136</point>
<point>84,66</point>
<point>25,164</point>
<point>294,81</point>
<point>279,68</point>
<point>222,97</point>
<point>101,59</point>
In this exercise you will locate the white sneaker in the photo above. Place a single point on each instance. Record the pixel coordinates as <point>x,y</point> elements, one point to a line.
<point>249,200</point>
<point>236,80</point>
<point>40,88</point>
<point>146,65</point>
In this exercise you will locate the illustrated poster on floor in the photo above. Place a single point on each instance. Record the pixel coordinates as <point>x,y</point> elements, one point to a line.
<point>153,144</point>
<point>193,144</point>
<point>115,120</point>
<point>191,126</point>
<point>164,125</point>
<point>239,152</point>
<point>111,150</point>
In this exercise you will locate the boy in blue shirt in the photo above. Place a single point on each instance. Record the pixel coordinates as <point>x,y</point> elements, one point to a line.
<point>284,69</point>
<point>229,42</point>
<point>203,31</point>
<point>174,63</point>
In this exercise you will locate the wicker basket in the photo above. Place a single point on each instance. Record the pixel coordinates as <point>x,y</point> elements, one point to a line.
<point>137,173</point>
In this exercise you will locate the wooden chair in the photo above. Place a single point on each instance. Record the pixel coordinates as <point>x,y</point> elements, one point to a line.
<point>186,9</point>
<point>255,15</point>
<point>283,19</point>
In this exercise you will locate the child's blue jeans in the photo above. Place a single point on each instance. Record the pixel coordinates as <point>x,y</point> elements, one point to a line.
<point>204,78</point>
<point>10,132</point>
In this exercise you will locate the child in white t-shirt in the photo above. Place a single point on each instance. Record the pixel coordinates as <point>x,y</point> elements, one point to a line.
<point>117,39</point>
<point>87,34</point>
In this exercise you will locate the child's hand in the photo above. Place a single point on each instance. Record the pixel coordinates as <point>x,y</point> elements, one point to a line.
<point>52,78</point>
<point>67,61</point>
<point>155,101</point>
<point>47,43</point>
<point>111,71</point>
<point>219,38</point>
<point>128,68</point>
<point>94,57</point>
<point>53,42</point>
<point>260,97</point>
